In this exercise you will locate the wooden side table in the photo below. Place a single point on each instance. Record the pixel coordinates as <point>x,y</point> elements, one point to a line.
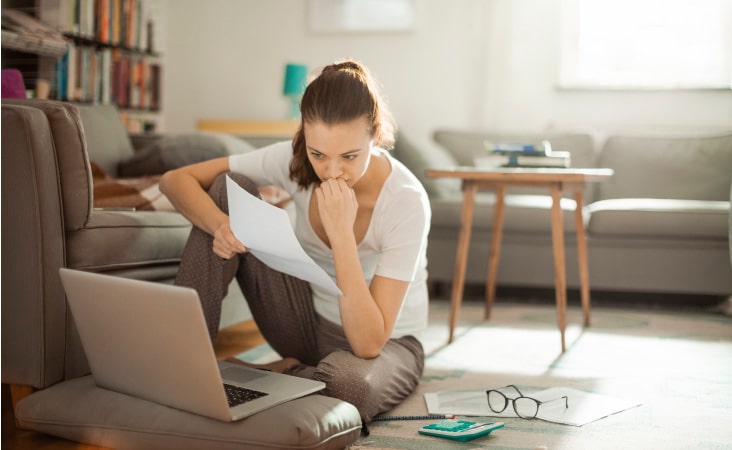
<point>557,181</point>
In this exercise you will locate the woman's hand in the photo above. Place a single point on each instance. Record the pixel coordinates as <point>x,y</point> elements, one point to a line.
<point>225,244</point>
<point>337,206</point>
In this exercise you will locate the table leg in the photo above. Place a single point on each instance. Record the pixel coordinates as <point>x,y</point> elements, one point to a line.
<point>560,276</point>
<point>461,255</point>
<point>582,258</point>
<point>495,252</point>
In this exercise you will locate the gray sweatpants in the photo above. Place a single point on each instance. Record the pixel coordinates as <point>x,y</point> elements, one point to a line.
<point>283,309</point>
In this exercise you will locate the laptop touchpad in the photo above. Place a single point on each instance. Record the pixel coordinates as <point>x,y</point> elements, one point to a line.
<point>241,374</point>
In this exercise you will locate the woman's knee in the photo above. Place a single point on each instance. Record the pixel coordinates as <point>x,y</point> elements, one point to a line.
<point>347,378</point>
<point>373,386</point>
<point>217,191</point>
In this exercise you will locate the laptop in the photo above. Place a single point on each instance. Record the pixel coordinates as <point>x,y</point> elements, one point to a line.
<point>149,340</point>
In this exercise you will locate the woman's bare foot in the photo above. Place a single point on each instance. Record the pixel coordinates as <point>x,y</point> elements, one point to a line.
<point>278,366</point>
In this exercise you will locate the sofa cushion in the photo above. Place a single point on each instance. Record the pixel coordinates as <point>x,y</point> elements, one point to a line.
<point>418,159</point>
<point>80,411</point>
<point>173,151</point>
<point>107,139</point>
<point>685,168</point>
<point>659,218</point>
<point>122,239</point>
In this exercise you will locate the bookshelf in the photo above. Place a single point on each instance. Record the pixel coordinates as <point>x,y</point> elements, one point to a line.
<point>110,55</point>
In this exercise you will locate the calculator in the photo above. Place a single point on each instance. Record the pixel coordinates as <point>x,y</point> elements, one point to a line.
<point>459,430</point>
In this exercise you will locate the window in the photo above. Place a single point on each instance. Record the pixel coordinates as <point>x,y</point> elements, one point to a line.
<point>646,44</point>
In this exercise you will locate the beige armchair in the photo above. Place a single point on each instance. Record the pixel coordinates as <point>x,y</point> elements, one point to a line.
<point>48,222</point>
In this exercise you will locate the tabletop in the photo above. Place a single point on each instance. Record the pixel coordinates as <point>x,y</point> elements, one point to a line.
<point>522,174</point>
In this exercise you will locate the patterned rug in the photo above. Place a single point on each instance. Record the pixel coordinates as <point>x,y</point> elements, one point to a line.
<point>678,365</point>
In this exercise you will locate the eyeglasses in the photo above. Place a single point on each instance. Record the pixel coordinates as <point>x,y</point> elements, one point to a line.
<point>524,407</point>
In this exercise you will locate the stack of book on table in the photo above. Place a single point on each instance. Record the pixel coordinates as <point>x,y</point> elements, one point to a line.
<point>521,155</point>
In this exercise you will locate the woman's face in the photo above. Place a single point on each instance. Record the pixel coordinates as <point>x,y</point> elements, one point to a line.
<point>339,151</point>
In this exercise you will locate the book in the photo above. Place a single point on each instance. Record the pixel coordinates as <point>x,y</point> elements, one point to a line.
<point>555,159</point>
<point>521,155</point>
<point>59,14</point>
<point>525,149</point>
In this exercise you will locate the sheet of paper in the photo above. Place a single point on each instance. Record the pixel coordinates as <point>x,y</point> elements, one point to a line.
<point>584,407</point>
<point>463,403</point>
<point>266,230</point>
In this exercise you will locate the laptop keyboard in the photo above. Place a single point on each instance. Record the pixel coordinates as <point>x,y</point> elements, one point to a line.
<point>238,395</point>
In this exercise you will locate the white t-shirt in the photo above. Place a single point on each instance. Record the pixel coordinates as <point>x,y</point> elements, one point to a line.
<point>395,244</point>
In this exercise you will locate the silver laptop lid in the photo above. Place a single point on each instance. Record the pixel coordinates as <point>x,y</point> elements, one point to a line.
<point>148,340</point>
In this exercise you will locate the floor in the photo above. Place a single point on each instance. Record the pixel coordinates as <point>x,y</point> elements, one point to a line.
<point>230,341</point>
<point>241,337</point>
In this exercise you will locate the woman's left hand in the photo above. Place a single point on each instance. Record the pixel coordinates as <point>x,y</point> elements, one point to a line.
<point>337,206</point>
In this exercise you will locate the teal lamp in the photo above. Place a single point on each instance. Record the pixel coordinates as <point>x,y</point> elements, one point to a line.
<point>295,79</point>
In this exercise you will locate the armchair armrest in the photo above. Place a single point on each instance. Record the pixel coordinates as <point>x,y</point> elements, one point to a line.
<point>33,248</point>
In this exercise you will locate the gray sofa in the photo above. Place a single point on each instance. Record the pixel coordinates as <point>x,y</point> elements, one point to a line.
<point>660,225</point>
<point>49,221</point>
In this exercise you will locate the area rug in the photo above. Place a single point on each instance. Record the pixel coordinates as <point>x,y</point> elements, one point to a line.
<point>678,365</point>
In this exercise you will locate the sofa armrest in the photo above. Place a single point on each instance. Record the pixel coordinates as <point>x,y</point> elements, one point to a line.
<point>33,306</point>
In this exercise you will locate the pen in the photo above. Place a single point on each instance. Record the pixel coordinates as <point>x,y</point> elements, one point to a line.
<point>428,417</point>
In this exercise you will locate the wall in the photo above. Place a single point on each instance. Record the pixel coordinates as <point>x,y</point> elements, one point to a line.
<point>467,64</point>
<point>523,59</point>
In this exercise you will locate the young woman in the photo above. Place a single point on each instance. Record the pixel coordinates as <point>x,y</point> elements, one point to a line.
<point>360,214</point>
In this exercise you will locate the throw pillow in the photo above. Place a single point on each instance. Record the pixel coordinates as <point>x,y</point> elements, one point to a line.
<point>13,85</point>
<point>171,152</point>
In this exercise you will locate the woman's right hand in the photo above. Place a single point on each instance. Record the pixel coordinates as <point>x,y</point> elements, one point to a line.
<point>225,244</point>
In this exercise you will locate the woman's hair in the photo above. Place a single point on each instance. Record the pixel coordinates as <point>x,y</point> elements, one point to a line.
<point>343,92</point>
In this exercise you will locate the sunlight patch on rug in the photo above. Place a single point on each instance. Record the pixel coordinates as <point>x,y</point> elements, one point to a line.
<point>500,349</point>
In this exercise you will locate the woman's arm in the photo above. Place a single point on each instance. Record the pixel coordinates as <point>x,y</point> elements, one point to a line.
<point>187,187</point>
<point>368,313</point>
<point>369,316</point>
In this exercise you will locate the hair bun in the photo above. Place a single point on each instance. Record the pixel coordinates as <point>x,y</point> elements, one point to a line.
<point>346,65</point>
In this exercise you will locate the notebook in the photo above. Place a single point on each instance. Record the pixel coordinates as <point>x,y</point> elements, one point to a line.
<point>149,340</point>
